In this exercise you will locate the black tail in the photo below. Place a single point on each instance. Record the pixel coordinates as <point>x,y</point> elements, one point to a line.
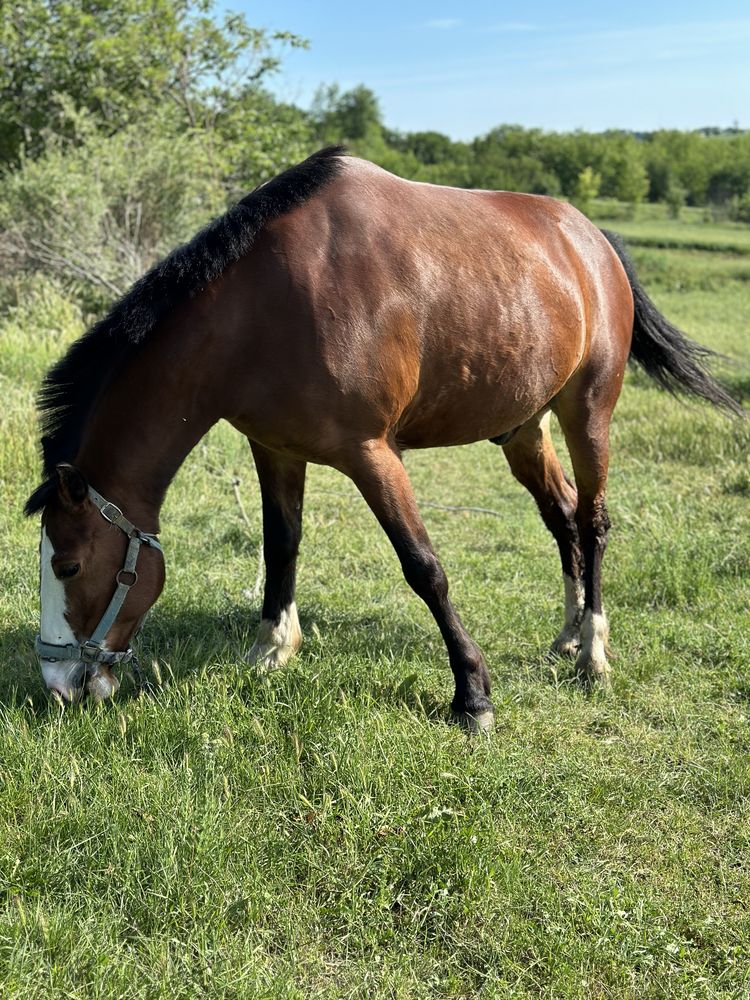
<point>664,352</point>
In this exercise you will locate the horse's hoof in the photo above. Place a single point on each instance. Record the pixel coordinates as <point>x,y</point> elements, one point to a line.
<point>476,723</point>
<point>277,642</point>
<point>601,682</point>
<point>596,676</point>
<point>568,644</point>
<point>265,657</point>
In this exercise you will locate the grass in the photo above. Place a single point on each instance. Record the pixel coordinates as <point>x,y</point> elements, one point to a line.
<point>650,226</point>
<point>324,832</point>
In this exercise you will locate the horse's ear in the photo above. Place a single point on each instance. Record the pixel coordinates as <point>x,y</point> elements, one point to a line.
<point>71,486</point>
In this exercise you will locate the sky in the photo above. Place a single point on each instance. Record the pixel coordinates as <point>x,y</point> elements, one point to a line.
<point>464,66</point>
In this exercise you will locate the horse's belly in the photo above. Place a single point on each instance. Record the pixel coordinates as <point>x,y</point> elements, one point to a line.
<point>471,396</point>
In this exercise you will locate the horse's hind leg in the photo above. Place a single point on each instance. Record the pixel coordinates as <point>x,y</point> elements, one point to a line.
<point>584,417</point>
<point>379,474</point>
<point>534,462</point>
<point>282,484</point>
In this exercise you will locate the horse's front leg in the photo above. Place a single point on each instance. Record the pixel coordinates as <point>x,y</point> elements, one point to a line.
<point>378,472</point>
<point>282,485</point>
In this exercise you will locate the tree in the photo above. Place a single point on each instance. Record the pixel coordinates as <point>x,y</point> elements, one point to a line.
<point>100,213</point>
<point>631,185</point>
<point>346,116</point>
<point>587,189</point>
<point>675,199</point>
<point>729,182</point>
<point>122,172</point>
<point>428,147</point>
<point>123,60</point>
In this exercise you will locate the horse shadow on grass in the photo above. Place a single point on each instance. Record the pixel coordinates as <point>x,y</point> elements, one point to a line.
<point>176,648</point>
<point>347,650</point>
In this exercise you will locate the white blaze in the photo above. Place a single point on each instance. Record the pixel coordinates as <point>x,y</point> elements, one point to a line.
<point>55,627</point>
<point>62,677</point>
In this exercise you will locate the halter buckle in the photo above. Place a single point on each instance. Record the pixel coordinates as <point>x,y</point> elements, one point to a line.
<point>115,517</point>
<point>90,651</point>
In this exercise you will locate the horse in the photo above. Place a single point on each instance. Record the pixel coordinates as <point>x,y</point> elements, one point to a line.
<point>341,315</point>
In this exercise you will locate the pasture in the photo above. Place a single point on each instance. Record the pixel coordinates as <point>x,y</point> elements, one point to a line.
<point>322,831</point>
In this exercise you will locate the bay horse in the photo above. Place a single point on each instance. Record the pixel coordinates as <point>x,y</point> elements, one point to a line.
<point>341,315</point>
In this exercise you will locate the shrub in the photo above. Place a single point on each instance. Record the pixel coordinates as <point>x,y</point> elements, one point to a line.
<point>100,213</point>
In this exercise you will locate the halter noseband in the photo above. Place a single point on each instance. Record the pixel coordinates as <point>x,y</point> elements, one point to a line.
<point>91,651</point>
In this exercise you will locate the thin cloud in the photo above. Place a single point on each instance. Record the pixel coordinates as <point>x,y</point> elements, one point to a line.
<point>444,23</point>
<point>513,26</point>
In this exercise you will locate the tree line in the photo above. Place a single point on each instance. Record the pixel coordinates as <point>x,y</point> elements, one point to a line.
<point>124,126</point>
<point>703,167</point>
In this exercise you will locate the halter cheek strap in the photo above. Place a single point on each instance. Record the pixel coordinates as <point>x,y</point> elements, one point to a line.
<point>91,650</point>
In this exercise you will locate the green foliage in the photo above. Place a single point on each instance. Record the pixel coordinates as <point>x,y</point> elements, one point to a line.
<point>106,181</point>
<point>346,116</point>
<point>124,126</point>
<point>508,158</point>
<point>588,187</point>
<point>675,199</point>
<point>430,148</point>
<point>102,211</point>
<point>121,62</point>
<point>255,138</point>
<point>740,211</point>
<point>630,180</point>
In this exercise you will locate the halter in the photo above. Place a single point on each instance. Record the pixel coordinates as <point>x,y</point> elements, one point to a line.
<point>91,650</point>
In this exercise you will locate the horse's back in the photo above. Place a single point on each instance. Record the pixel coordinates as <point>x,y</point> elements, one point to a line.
<point>438,314</point>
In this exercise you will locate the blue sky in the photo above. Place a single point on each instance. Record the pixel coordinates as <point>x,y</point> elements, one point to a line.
<point>463,66</point>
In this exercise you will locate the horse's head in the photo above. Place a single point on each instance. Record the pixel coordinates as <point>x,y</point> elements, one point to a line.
<point>99,576</point>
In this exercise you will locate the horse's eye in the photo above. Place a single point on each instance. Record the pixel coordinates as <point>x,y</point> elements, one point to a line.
<point>66,572</point>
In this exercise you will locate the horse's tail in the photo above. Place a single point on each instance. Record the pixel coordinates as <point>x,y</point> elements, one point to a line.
<point>663,351</point>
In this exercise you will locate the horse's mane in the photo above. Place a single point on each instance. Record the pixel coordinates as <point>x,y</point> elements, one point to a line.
<point>70,387</point>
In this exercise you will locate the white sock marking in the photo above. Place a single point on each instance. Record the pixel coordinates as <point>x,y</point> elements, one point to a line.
<point>573,600</point>
<point>276,643</point>
<point>569,639</point>
<point>594,640</point>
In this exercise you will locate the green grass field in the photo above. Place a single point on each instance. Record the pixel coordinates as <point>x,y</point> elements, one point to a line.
<point>323,832</point>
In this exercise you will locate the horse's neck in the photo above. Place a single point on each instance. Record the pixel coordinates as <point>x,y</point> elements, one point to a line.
<point>146,422</point>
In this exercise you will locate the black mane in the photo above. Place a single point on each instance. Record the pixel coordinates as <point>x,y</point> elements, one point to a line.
<point>69,388</point>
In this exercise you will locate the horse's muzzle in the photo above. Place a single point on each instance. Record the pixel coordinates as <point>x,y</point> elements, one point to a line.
<point>65,678</point>
<point>101,683</point>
